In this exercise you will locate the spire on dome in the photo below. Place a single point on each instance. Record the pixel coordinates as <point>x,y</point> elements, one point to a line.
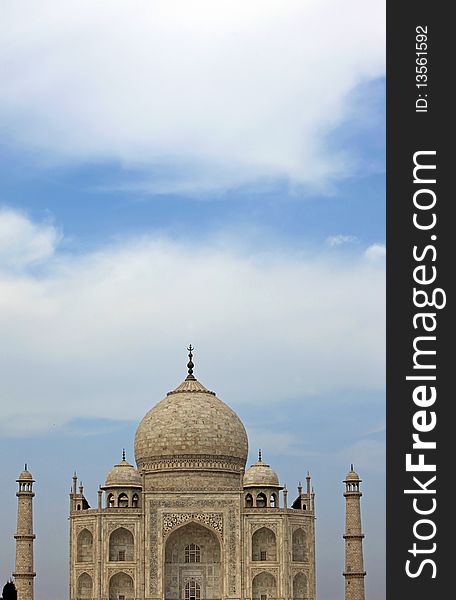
<point>190,364</point>
<point>123,453</point>
<point>259,455</point>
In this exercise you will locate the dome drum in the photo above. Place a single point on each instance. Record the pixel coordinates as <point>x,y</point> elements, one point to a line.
<point>194,463</point>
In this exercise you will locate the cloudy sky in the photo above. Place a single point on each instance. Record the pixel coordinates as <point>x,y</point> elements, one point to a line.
<point>204,172</point>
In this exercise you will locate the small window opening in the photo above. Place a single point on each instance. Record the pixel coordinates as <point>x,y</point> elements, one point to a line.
<point>192,554</point>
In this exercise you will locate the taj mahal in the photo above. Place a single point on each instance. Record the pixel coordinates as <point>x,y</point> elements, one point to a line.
<point>189,521</point>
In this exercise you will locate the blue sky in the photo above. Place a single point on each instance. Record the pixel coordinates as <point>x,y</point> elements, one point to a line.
<point>83,200</point>
<point>193,175</point>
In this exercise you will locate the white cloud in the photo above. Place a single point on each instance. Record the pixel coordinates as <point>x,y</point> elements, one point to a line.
<point>22,242</point>
<point>226,91</point>
<point>376,252</point>
<point>103,334</point>
<point>338,240</point>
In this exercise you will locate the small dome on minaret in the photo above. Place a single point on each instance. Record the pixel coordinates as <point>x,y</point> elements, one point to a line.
<point>352,475</point>
<point>25,475</point>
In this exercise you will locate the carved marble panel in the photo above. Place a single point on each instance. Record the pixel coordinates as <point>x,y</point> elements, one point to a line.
<point>172,520</point>
<point>207,509</point>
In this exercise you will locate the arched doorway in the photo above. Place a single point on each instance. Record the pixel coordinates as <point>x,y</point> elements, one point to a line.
<point>84,586</point>
<point>121,587</point>
<point>85,546</point>
<point>192,590</point>
<point>121,545</point>
<point>299,587</point>
<point>299,545</point>
<point>193,564</point>
<point>264,586</point>
<point>264,545</point>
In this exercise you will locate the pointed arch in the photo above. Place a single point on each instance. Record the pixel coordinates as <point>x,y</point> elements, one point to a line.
<point>299,542</point>
<point>121,585</point>
<point>264,586</point>
<point>264,546</point>
<point>121,545</point>
<point>122,500</point>
<point>248,501</point>
<point>261,500</point>
<point>84,587</point>
<point>299,586</point>
<point>84,546</point>
<point>196,543</point>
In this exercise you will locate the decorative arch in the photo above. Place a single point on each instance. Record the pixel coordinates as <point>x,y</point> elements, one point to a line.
<point>261,500</point>
<point>84,550</point>
<point>122,500</point>
<point>121,545</point>
<point>273,501</point>
<point>299,545</point>
<point>198,544</point>
<point>121,586</point>
<point>135,501</point>
<point>264,586</point>
<point>110,501</point>
<point>212,521</point>
<point>248,501</point>
<point>299,586</point>
<point>84,586</point>
<point>264,546</point>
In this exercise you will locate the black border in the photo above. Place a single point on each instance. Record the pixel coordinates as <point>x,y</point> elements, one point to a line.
<point>408,132</point>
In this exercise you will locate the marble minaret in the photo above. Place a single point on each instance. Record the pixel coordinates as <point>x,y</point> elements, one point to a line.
<point>354,563</point>
<point>24,573</point>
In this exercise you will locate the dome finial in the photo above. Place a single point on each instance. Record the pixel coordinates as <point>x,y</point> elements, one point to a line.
<point>123,453</point>
<point>190,364</point>
<point>351,467</point>
<point>259,455</point>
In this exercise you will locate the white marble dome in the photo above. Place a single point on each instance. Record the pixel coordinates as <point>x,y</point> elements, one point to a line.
<point>123,475</point>
<point>193,429</point>
<point>260,475</point>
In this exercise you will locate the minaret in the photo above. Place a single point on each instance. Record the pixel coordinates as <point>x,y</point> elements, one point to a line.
<point>24,574</point>
<point>354,564</point>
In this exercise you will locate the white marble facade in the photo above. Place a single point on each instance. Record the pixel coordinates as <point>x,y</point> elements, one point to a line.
<point>189,523</point>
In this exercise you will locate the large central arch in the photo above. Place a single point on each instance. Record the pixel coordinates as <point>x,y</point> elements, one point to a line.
<point>193,566</point>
